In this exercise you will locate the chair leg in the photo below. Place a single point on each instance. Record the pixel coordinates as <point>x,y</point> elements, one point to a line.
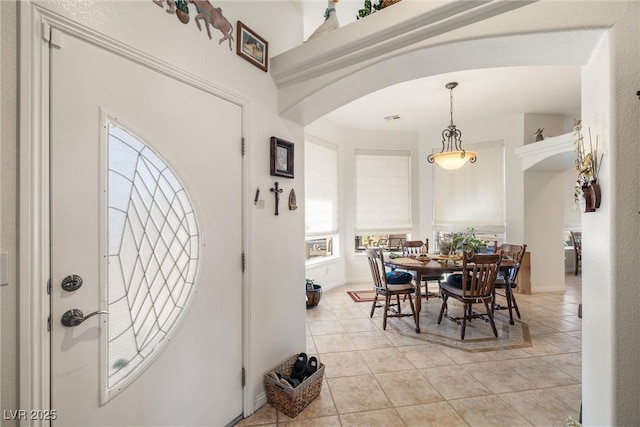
<point>509,297</point>
<point>577,262</point>
<point>464,321</point>
<point>413,309</point>
<point>387,300</point>
<point>515,304</point>
<point>443,308</point>
<point>399,307</point>
<point>375,301</point>
<point>493,325</point>
<point>493,300</point>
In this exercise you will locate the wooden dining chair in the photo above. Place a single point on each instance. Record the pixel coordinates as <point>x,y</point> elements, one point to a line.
<point>414,247</point>
<point>390,285</point>
<point>506,282</point>
<point>576,237</point>
<point>473,286</point>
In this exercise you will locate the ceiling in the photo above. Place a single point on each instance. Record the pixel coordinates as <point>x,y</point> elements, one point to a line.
<point>424,103</point>
<point>481,94</point>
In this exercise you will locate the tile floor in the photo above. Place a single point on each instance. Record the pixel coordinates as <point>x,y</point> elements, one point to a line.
<point>380,378</point>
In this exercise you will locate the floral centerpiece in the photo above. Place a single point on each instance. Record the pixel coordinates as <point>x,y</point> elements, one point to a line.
<point>588,163</point>
<point>467,241</point>
<point>461,241</point>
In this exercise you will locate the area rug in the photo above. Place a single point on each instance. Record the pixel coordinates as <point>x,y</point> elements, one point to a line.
<point>362,296</point>
<point>478,336</point>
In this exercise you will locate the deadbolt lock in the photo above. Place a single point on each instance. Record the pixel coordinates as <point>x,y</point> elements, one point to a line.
<point>71,283</point>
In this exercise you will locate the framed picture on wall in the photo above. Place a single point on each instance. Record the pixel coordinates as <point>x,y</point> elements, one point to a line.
<point>281,157</point>
<point>252,47</point>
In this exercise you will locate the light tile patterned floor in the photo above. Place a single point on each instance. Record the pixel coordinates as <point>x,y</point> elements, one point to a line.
<point>379,378</point>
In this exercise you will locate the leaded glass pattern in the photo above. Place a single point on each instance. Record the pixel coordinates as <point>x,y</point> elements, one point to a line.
<point>153,252</point>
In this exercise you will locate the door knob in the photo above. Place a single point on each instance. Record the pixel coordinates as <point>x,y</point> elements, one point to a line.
<point>71,283</point>
<point>74,317</point>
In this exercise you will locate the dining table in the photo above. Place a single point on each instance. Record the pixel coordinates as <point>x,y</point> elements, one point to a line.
<point>432,265</point>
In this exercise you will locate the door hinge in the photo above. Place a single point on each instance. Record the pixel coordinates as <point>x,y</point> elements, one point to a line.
<point>244,377</point>
<point>49,287</point>
<point>49,324</point>
<point>243,145</point>
<point>244,262</point>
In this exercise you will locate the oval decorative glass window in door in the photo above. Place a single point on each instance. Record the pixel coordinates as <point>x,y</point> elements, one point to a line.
<point>153,253</point>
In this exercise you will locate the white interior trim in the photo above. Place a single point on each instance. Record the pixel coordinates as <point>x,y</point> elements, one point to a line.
<point>378,35</point>
<point>536,152</point>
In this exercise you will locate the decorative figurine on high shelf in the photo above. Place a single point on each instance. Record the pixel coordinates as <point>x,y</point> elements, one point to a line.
<point>369,7</point>
<point>330,21</point>
<point>539,136</point>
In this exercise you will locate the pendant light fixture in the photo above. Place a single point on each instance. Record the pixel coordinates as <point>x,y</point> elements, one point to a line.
<point>452,155</point>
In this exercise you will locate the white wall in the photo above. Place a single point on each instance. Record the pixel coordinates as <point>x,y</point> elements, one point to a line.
<point>552,125</point>
<point>275,259</point>
<point>544,194</point>
<point>610,291</point>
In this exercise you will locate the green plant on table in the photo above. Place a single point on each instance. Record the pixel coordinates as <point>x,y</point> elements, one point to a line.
<point>467,240</point>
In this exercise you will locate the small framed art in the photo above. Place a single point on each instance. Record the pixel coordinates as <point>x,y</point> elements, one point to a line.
<point>252,47</point>
<point>281,157</point>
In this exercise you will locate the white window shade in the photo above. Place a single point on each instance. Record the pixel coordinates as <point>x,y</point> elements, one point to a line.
<point>321,189</point>
<point>474,195</point>
<point>383,191</point>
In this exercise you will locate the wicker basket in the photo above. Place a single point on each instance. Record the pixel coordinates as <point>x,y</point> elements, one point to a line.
<point>291,401</point>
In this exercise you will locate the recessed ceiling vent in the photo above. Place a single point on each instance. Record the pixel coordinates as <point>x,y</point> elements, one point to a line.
<point>391,118</point>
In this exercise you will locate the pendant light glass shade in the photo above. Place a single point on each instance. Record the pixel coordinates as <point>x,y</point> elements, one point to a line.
<point>452,155</point>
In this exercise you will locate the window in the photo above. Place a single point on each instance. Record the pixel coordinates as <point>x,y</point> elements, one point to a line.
<point>472,196</point>
<point>153,245</point>
<point>391,242</point>
<point>321,199</point>
<point>383,197</point>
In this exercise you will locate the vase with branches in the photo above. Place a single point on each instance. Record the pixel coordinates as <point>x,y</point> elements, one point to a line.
<point>588,164</point>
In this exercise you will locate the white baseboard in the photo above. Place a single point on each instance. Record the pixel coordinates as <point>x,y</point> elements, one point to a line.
<point>259,402</point>
<point>539,289</point>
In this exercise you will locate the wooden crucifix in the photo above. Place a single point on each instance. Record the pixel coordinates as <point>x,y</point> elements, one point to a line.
<point>277,192</point>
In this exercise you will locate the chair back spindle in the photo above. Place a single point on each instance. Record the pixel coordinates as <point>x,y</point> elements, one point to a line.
<point>479,272</point>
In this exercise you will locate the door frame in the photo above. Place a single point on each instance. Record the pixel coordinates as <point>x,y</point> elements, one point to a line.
<point>35,23</point>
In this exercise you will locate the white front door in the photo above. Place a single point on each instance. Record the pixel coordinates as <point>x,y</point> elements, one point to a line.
<point>146,210</point>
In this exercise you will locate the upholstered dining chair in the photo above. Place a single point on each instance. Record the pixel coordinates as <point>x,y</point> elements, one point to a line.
<point>576,237</point>
<point>414,247</point>
<point>473,286</point>
<point>506,282</point>
<point>390,285</point>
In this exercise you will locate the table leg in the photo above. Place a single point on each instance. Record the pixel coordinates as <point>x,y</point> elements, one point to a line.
<point>418,300</point>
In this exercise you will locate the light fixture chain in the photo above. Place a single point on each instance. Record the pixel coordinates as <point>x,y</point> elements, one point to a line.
<point>451,105</point>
